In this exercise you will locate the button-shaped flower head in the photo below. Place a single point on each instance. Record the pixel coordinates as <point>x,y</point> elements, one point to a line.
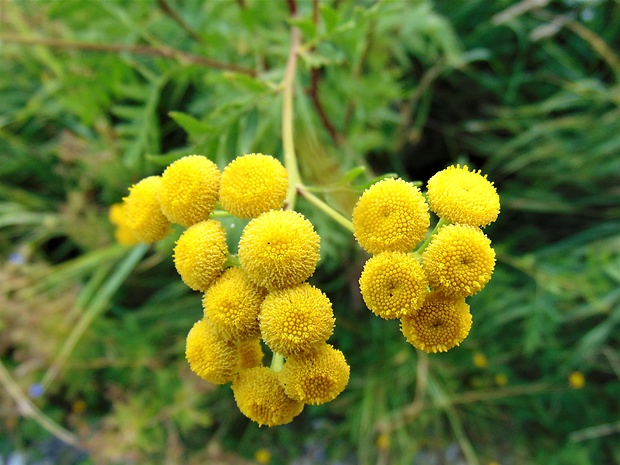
<point>390,216</point>
<point>463,196</point>
<point>200,254</point>
<point>189,190</point>
<point>459,260</point>
<point>122,233</point>
<point>262,399</point>
<point>292,320</point>
<point>253,184</point>
<point>250,353</point>
<point>142,212</point>
<point>279,249</point>
<point>232,303</point>
<point>317,377</point>
<point>393,284</point>
<point>440,324</point>
<point>210,357</point>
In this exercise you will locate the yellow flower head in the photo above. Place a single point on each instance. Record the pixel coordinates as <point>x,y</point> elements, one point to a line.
<point>459,261</point>
<point>122,233</point>
<point>393,285</point>
<point>390,216</point>
<point>439,325</point>
<point>210,357</point>
<point>142,212</point>
<point>232,304</point>
<point>463,196</point>
<point>262,399</point>
<point>200,254</point>
<point>253,184</point>
<point>576,380</point>
<point>189,190</point>
<point>292,320</point>
<point>250,353</point>
<point>279,249</point>
<point>480,360</point>
<point>317,377</point>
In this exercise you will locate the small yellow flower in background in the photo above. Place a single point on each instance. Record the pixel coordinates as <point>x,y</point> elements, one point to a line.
<point>78,407</point>
<point>262,456</point>
<point>200,254</point>
<point>250,353</point>
<point>459,261</point>
<point>292,320</point>
<point>262,399</point>
<point>501,379</point>
<point>316,377</point>
<point>279,249</point>
<point>253,184</point>
<point>210,357</point>
<point>390,216</point>
<point>463,196</point>
<point>232,303</point>
<point>480,360</point>
<point>142,212</point>
<point>383,442</point>
<point>576,380</point>
<point>439,325</point>
<point>122,234</point>
<point>189,190</point>
<point>393,284</point>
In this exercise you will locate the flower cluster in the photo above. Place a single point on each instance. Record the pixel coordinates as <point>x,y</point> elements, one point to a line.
<point>262,294</point>
<point>426,288</point>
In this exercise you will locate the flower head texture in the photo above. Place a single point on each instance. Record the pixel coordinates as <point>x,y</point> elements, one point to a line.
<point>439,325</point>
<point>122,234</point>
<point>463,196</point>
<point>262,399</point>
<point>459,260</point>
<point>253,184</point>
<point>393,284</point>
<point>317,377</point>
<point>189,190</point>
<point>250,353</point>
<point>200,254</point>
<point>232,304</point>
<point>390,216</point>
<point>292,320</point>
<point>142,212</point>
<point>210,357</point>
<point>279,249</point>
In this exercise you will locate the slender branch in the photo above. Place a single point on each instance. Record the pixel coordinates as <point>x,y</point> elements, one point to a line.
<point>329,211</point>
<point>277,362</point>
<point>292,7</point>
<point>165,52</point>
<point>179,20</point>
<point>313,92</point>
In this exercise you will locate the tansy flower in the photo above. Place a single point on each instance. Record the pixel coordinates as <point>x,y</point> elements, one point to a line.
<point>200,254</point>
<point>459,260</point>
<point>279,249</point>
<point>292,320</point>
<point>316,377</point>
<point>189,189</point>
<point>463,196</point>
<point>232,304</point>
<point>390,216</point>
<point>122,233</point>
<point>480,360</point>
<point>142,212</point>
<point>576,380</point>
<point>393,284</point>
<point>253,184</point>
<point>439,325</point>
<point>210,357</point>
<point>262,399</point>
<point>250,353</point>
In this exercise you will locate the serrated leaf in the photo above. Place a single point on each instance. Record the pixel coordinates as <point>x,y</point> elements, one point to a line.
<point>329,16</point>
<point>248,82</point>
<point>352,175</point>
<point>190,124</point>
<point>306,26</point>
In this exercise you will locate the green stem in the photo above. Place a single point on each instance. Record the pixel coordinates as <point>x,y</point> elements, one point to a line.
<point>321,205</point>
<point>277,362</point>
<point>231,260</point>
<point>424,245</point>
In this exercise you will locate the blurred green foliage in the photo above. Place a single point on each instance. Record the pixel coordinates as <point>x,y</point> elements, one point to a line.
<point>96,95</point>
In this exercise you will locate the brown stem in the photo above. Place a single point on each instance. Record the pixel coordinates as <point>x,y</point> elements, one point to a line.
<point>357,72</point>
<point>313,92</point>
<point>292,7</point>
<point>165,52</point>
<point>179,20</point>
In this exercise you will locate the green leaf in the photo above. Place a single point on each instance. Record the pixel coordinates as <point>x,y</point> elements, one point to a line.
<point>191,125</point>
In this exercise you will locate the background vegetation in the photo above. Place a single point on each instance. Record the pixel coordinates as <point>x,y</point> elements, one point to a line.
<point>96,94</point>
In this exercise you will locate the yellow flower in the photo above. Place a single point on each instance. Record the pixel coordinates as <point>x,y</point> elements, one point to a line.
<point>576,380</point>
<point>250,353</point>
<point>262,399</point>
<point>480,360</point>
<point>459,260</point>
<point>383,442</point>
<point>262,456</point>
<point>390,216</point>
<point>501,379</point>
<point>393,285</point>
<point>189,189</point>
<point>253,184</point>
<point>316,377</point>
<point>439,325</point>
<point>210,357</point>
<point>123,234</point>
<point>292,320</point>
<point>463,196</point>
<point>142,212</point>
<point>200,254</point>
<point>232,304</point>
<point>279,249</point>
